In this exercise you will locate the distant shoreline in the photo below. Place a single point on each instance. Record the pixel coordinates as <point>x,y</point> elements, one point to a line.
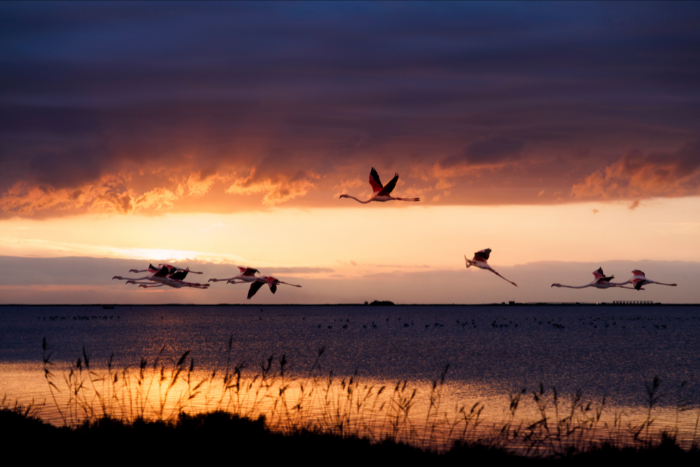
<point>253,305</point>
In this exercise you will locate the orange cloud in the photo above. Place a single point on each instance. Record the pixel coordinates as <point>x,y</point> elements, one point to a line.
<point>277,190</point>
<point>106,195</point>
<point>637,176</point>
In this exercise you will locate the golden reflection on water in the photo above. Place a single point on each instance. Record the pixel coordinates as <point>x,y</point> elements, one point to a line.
<point>426,413</point>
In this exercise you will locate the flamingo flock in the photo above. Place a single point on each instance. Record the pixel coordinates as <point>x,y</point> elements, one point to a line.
<point>171,276</point>
<point>164,275</point>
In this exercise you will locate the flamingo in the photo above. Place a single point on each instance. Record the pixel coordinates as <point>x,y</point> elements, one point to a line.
<point>600,281</point>
<point>380,192</point>
<point>176,284</point>
<point>155,273</point>
<point>152,269</point>
<point>272,282</point>
<point>639,280</point>
<point>167,275</point>
<point>175,269</point>
<point>479,261</point>
<point>245,275</point>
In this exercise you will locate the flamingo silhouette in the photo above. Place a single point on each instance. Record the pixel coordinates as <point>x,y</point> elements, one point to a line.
<point>479,260</point>
<point>380,192</point>
<point>245,275</point>
<point>272,282</point>
<point>152,269</point>
<point>600,281</point>
<point>167,275</point>
<point>639,280</point>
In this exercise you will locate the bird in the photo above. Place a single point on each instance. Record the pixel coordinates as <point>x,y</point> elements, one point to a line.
<point>152,269</point>
<point>479,261</point>
<point>167,275</point>
<point>600,281</point>
<point>246,275</point>
<point>155,274</point>
<point>380,192</point>
<point>639,280</point>
<point>272,282</point>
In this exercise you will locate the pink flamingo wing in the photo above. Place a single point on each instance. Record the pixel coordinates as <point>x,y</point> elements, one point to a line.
<point>374,181</point>
<point>389,187</point>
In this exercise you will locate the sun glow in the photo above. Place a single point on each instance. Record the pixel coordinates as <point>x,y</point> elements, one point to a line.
<point>372,238</point>
<point>349,254</point>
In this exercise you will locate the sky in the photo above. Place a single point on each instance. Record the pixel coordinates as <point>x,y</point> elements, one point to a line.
<point>563,136</point>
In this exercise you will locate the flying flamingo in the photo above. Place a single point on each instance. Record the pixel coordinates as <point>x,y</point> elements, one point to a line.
<point>167,275</point>
<point>479,261</point>
<point>639,280</point>
<point>272,282</point>
<point>245,275</point>
<point>152,269</point>
<point>380,192</point>
<point>155,274</point>
<point>600,281</point>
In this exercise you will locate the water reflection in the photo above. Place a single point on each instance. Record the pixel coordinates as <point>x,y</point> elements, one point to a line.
<point>427,413</point>
<point>386,365</point>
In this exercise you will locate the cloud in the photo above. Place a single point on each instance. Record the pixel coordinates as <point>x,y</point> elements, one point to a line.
<point>491,151</point>
<point>277,189</point>
<point>638,175</point>
<point>222,107</point>
<point>299,270</point>
<point>108,194</point>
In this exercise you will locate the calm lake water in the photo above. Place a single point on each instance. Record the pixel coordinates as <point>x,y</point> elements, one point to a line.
<point>493,351</point>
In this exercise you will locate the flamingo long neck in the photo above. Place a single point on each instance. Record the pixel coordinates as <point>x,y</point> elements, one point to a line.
<point>359,201</point>
<point>131,278</point>
<point>575,287</point>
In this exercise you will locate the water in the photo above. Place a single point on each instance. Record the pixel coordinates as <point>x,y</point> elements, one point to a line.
<point>492,351</point>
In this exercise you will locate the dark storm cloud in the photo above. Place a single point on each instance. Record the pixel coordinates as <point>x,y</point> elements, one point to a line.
<point>493,150</point>
<point>102,94</point>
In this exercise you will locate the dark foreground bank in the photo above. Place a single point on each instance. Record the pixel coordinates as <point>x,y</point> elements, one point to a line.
<point>219,435</point>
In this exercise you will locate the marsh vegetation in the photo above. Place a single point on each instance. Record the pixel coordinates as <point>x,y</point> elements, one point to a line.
<point>269,400</point>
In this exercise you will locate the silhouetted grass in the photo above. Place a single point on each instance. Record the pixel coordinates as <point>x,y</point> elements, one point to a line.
<point>171,404</point>
<point>224,437</point>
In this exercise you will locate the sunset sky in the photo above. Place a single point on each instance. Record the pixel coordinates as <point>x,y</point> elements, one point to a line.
<point>563,136</point>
